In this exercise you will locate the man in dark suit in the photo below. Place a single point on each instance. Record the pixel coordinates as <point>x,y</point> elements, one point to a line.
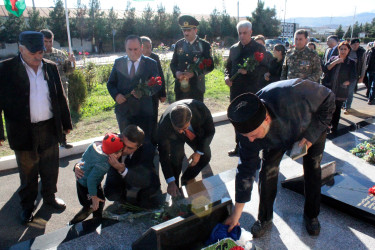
<point>332,50</point>
<point>128,72</point>
<point>133,178</point>
<point>36,116</point>
<point>186,121</point>
<point>160,95</point>
<point>188,84</point>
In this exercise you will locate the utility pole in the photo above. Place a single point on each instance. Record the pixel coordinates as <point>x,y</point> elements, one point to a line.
<point>284,22</point>
<point>238,11</point>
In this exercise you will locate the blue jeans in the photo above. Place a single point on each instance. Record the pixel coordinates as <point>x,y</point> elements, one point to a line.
<point>349,100</point>
<point>371,84</point>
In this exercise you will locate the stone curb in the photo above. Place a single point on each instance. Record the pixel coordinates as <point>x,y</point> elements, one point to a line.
<point>9,162</point>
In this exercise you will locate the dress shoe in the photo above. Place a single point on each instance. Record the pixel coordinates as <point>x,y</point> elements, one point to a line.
<point>233,152</point>
<point>81,215</point>
<point>347,111</point>
<point>312,225</point>
<point>26,216</point>
<point>260,227</point>
<point>369,102</point>
<point>56,203</point>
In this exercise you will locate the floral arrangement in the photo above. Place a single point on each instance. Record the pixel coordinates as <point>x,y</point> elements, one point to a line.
<point>145,88</point>
<point>249,64</point>
<point>365,150</point>
<point>372,190</point>
<point>199,65</point>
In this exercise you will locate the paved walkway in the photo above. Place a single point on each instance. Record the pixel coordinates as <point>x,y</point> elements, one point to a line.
<point>339,230</point>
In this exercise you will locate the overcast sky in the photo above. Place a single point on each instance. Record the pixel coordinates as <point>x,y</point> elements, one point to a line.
<point>294,8</point>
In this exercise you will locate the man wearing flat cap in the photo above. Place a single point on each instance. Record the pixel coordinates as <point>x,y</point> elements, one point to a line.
<point>186,121</point>
<point>36,116</point>
<point>189,81</point>
<point>279,115</point>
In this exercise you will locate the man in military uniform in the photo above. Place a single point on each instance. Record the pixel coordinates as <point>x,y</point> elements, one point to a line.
<point>246,81</point>
<point>189,85</point>
<point>65,64</point>
<point>301,62</point>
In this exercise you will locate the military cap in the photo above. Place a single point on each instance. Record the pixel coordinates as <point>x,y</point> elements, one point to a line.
<point>32,40</point>
<point>246,112</point>
<point>187,22</point>
<point>354,40</point>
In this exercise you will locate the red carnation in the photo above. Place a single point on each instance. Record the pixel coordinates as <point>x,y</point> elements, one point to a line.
<point>151,82</point>
<point>201,66</point>
<point>207,62</point>
<point>237,248</point>
<point>372,190</point>
<point>258,56</point>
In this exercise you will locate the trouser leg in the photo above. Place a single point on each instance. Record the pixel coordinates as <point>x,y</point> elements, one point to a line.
<point>268,177</point>
<point>349,100</point>
<point>336,115</point>
<point>312,176</point>
<point>176,157</point>
<point>192,172</point>
<point>114,186</point>
<point>371,82</point>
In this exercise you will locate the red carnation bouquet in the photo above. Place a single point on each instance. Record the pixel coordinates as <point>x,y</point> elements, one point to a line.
<point>199,65</point>
<point>146,88</point>
<point>249,64</point>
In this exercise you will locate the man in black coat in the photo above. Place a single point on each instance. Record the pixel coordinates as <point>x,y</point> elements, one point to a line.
<point>127,73</point>
<point>160,95</point>
<point>189,83</point>
<point>36,116</point>
<point>278,116</point>
<point>186,121</point>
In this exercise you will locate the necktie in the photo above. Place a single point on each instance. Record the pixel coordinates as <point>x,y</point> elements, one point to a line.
<point>189,134</point>
<point>132,70</point>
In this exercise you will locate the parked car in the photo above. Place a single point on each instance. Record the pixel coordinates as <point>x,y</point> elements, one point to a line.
<point>314,40</point>
<point>270,43</point>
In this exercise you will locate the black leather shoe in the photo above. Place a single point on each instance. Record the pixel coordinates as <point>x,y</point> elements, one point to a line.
<point>312,225</point>
<point>26,216</point>
<point>260,227</point>
<point>233,152</point>
<point>81,215</point>
<point>56,203</point>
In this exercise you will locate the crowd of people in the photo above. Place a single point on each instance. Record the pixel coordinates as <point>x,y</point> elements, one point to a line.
<point>276,100</point>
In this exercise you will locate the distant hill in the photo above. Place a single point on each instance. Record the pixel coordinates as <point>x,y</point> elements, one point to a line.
<point>332,22</point>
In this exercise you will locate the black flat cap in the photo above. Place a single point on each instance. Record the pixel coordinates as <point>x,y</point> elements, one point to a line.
<point>246,112</point>
<point>354,40</point>
<point>32,40</point>
<point>187,22</point>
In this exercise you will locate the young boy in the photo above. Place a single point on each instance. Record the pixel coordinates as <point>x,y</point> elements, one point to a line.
<point>89,190</point>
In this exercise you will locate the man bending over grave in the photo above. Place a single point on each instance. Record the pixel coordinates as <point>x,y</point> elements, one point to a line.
<point>274,119</point>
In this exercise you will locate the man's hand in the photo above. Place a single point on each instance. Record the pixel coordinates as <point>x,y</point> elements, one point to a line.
<point>71,58</point>
<point>172,189</point>
<point>67,131</point>
<point>188,75</point>
<point>233,219</point>
<point>304,141</point>
<point>228,82</point>
<point>95,202</point>
<point>79,173</point>
<point>120,98</point>
<point>194,158</point>
<point>113,161</point>
<point>135,94</point>
<point>267,76</point>
<point>346,83</point>
<point>339,60</point>
<point>242,71</point>
<point>162,99</point>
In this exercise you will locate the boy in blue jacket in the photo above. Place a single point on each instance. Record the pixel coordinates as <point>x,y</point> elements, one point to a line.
<point>89,190</point>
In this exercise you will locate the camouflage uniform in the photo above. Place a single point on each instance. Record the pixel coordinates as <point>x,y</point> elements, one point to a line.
<point>304,64</point>
<point>64,66</point>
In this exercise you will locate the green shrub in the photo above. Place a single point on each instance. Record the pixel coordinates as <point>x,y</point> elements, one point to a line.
<point>77,90</point>
<point>103,72</point>
<point>89,73</point>
<point>169,80</point>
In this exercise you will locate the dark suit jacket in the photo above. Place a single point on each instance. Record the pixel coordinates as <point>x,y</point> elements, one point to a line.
<point>201,122</point>
<point>14,101</point>
<point>119,82</point>
<point>161,92</point>
<point>327,55</point>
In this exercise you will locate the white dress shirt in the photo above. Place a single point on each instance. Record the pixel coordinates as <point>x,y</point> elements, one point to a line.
<point>39,99</point>
<point>136,64</point>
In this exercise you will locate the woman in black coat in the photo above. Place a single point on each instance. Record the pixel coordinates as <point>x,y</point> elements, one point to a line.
<point>276,64</point>
<point>341,71</point>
